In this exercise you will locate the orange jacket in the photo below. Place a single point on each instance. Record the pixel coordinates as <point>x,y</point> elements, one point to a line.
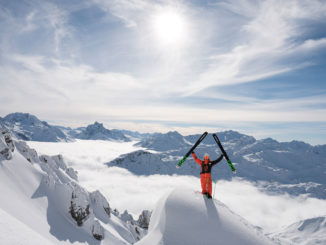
<point>206,165</point>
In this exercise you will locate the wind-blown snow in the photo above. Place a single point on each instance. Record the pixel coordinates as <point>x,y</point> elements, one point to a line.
<point>186,217</point>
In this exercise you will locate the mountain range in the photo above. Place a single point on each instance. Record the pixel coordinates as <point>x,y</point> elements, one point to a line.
<point>289,167</point>
<point>44,202</point>
<point>25,126</point>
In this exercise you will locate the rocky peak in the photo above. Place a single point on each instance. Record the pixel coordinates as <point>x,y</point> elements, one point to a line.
<point>96,127</point>
<point>25,118</point>
<point>6,144</point>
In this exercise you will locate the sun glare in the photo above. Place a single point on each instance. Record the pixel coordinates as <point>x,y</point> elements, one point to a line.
<point>169,28</point>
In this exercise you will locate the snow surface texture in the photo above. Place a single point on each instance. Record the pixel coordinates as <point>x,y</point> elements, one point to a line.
<point>186,217</point>
<point>44,203</point>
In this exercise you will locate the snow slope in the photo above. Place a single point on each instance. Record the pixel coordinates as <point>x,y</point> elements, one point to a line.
<point>43,203</point>
<point>186,217</point>
<point>305,232</point>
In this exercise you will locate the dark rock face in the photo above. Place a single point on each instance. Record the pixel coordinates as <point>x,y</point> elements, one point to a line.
<point>144,218</point>
<point>77,211</point>
<point>97,231</point>
<point>6,144</point>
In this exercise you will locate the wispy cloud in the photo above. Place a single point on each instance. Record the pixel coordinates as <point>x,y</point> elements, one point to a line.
<point>267,44</point>
<point>102,59</point>
<point>131,12</point>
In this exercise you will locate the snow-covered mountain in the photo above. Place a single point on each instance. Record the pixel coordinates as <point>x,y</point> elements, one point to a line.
<point>25,126</point>
<point>293,167</point>
<point>97,131</point>
<point>186,217</point>
<point>230,136</point>
<point>305,232</point>
<point>141,163</point>
<point>134,135</point>
<point>43,203</point>
<point>164,142</point>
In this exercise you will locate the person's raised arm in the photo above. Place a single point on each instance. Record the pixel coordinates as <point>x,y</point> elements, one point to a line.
<point>217,160</point>
<point>197,160</point>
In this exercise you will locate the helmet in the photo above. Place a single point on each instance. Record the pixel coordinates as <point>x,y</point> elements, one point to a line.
<point>206,156</point>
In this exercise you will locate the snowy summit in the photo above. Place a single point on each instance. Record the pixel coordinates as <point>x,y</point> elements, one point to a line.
<point>187,217</point>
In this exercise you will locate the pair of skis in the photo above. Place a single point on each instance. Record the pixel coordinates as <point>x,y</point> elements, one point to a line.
<point>218,143</point>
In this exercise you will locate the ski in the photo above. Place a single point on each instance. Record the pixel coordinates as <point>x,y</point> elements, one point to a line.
<point>192,149</point>
<point>224,153</point>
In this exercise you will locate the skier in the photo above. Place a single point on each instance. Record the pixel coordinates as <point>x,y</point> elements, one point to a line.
<point>205,174</point>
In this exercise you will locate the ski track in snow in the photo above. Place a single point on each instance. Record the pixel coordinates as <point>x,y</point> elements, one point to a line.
<point>125,190</point>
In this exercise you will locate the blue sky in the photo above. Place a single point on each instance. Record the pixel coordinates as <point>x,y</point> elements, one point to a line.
<point>257,67</point>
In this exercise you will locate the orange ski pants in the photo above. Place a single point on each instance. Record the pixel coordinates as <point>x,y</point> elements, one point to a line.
<point>206,183</point>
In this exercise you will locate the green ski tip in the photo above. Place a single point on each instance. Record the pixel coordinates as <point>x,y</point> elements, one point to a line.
<point>231,166</point>
<point>181,161</point>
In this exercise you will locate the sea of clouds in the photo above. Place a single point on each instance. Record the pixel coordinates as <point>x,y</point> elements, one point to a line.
<point>126,191</point>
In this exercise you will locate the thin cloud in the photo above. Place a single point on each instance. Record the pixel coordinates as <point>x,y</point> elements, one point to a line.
<point>58,65</point>
<point>267,35</point>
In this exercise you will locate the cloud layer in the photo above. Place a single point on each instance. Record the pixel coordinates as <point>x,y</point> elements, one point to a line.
<point>136,193</point>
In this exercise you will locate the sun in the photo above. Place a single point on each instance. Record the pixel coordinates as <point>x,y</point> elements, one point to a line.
<point>169,27</point>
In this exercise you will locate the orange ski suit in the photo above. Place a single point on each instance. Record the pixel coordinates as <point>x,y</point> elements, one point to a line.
<point>205,174</point>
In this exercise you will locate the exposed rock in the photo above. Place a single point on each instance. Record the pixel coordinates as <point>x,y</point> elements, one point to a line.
<point>79,206</point>
<point>97,230</point>
<point>115,212</point>
<point>127,217</point>
<point>6,144</point>
<point>144,218</point>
